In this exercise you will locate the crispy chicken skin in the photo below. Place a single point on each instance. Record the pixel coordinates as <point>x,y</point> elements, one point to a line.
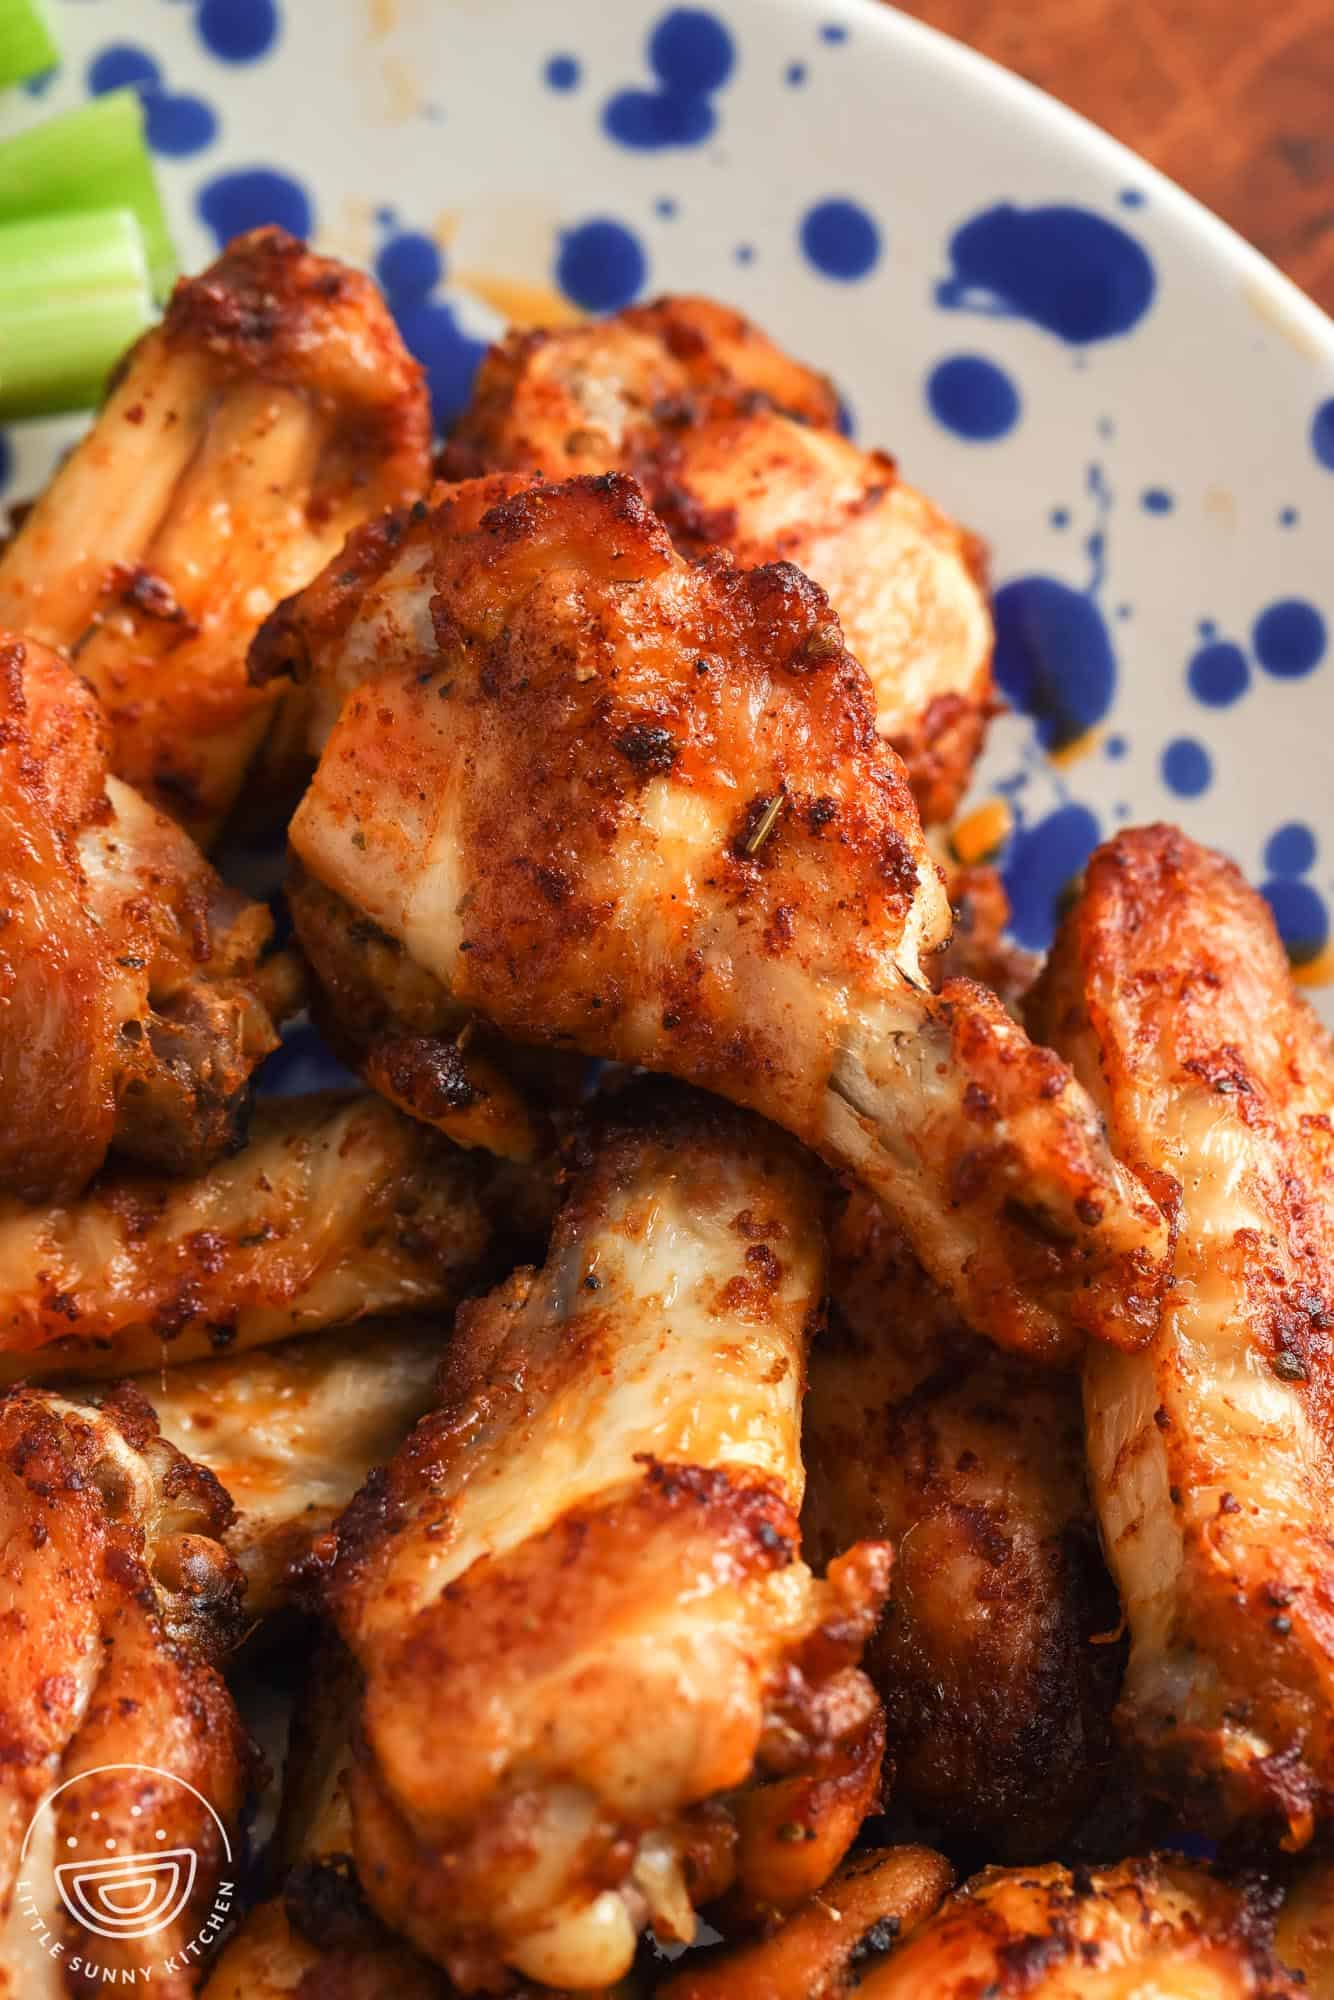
<point>1304,1935</point>
<point>1153,1929</point>
<point>337,1209</point>
<point>827,1947</point>
<point>737,448</point>
<point>135,1003</point>
<point>591,398</point>
<point>971,1463</point>
<point>115,1598</point>
<point>637,806</point>
<point>292,1434</point>
<point>1211,1451</point>
<point>272,410</point>
<point>602,1686</point>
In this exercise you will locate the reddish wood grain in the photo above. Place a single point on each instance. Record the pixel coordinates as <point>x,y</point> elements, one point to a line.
<point>1233,98</point>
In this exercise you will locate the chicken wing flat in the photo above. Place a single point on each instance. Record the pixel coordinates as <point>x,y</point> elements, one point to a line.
<point>736,449</point>
<point>337,1209</point>
<point>971,1463</point>
<point>292,1434</point>
<point>602,1686</point>
<point>115,1599</point>
<point>825,1949</point>
<point>136,1003</point>
<point>272,409</point>
<point>1210,1452</point>
<point>1154,1929</point>
<point>636,806</point>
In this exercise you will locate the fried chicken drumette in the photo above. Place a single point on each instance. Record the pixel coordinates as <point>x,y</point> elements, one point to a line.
<point>272,410</point>
<point>736,447</point>
<point>1211,1452</point>
<point>626,804</point>
<point>138,1000</point>
<point>116,1600</point>
<point>337,1209</point>
<point>601,1685</point>
<point>997,1692</point>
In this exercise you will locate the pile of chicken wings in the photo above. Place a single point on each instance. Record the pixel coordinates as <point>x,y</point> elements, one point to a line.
<point>766,1422</point>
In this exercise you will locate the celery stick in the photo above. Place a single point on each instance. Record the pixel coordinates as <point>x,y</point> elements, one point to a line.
<point>92,157</point>
<point>27,46</point>
<point>74,292</point>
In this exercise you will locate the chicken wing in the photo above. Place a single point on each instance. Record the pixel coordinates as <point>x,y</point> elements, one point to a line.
<point>637,806</point>
<point>273,409</point>
<point>291,1435</point>
<point>137,1005</point>
<point>1212,1451</point>
<point>590,398</point>
<point>1156,1929</point>
<point>337,1209</point>
<point>826,1948</point>
<point>1304,1935</point>
<point>736,448</point>
<point>115,1599</point>
<point>971,1463</point>
<point>602,1686</point>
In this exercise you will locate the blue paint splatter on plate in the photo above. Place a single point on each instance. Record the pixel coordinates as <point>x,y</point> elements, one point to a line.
<point>409,266</point>
<point>237,31</point>
<point>973,397</point>
<point>562,72</point>
<point>249,196</point>
<point>1301,916</point>
<point>1218,673</point>
<point>1065,269</point>
<point>840,238</point>
<point>6,461</point>
<point>1054,658</point>
<point>1040,865</point>
<point>1156,500</point>
<point>601,265</point>
<point>1187,767</point>
<point>691,53</point>
<point>1289,638</point>
<point>1322,434</point>
<point>1290,849</point>
<point>176,122</point>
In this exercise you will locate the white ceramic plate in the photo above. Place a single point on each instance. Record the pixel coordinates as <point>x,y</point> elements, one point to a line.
<point>1132,408</point>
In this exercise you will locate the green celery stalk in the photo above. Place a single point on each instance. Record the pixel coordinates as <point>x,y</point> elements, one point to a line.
<point>74,292</point>
<point>94,157</point>
<point>27,46</point>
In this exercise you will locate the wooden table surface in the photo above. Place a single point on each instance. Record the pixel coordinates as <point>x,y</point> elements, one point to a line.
<point>1233,98</point>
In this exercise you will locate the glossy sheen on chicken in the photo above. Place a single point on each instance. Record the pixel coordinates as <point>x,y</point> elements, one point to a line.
<point>273,409</point>
<point>338,1208</point>
<point>737,448</point>
<point>115,1598</point>
<point>1211,1452</point>
<point>637,806</point>
<point>602,1686</point>
<point>825,1949</point>
<point>1304,1934</point>
<point>135,1003</point>
<point>971,1463</point>
<point>292,1434</point>
<point>1156,1929</point>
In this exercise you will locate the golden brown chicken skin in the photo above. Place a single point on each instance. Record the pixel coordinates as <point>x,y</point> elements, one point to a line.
<point>602,1686</point>
<point>737,449</point>
<point>292,1434</point>
<point>1153,1929</point>
<point>272,410</point>
<point>971,1463</point>
<point>1210,1452</point>
<point>637,806</point>
<point>116,1599</point>
<point>337,1209</point>
<point>1304,1934</point>
<point>137,1000</point>
<point>826,1949</point>
<point>590,398</point>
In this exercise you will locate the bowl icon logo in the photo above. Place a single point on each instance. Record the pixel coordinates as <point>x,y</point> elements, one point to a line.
<point>128,1895</point>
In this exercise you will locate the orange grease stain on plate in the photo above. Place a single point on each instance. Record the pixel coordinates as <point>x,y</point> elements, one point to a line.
<point>518,300</point>
<point>1318,971</point>
<point>982,831</point>
<point>1074,752</point>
